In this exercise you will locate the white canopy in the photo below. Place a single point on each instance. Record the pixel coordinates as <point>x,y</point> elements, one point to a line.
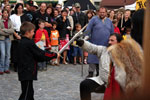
<point>131,7</point>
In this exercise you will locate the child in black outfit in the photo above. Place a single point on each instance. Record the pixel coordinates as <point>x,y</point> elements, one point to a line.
<point>28,55</point>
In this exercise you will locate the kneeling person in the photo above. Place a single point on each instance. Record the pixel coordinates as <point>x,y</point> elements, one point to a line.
<point>118,69</point>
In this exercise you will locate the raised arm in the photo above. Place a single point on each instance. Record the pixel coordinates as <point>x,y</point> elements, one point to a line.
<point>91,48</point>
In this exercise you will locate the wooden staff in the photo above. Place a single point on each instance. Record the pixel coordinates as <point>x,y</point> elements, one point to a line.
<point>146,67</point>
<point>75,36</point>
<point>122,20</point>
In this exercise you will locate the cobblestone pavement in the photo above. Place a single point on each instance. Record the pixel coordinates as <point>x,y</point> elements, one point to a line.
<point>57,83</point>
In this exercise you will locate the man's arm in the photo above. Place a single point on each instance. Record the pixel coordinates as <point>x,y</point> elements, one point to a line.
<point>91,48</point>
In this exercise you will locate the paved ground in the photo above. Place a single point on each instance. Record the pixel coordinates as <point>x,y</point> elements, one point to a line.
<point>57,83</point>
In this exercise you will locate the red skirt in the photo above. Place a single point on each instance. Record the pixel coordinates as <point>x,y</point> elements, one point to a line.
<point>63,43</point>
<point>113,91</point>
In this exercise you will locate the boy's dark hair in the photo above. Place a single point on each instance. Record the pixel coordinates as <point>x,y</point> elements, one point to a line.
<point>54,23</point>
<point>64,10</point>
<point>114,21</point>
<point>41,21</point>
<point>78,24</point>
<point>128,29</point>
<point>118,37</point>
<point>26,27</point>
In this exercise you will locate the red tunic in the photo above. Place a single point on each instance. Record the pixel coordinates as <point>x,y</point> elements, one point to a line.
<point>116,30</point>
<point>113,91</point>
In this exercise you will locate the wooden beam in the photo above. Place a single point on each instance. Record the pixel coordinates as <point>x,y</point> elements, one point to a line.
<point>146,42</point>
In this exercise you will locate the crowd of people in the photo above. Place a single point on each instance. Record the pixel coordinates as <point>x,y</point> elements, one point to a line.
<point>55,26</point>
<point>59,25</point>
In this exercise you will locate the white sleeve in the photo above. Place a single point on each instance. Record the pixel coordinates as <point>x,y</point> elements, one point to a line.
<point>93,49</point>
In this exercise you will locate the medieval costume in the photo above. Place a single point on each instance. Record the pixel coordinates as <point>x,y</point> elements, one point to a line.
<point>125,61</point>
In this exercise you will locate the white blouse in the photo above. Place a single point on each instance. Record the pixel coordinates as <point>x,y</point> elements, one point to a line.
<point>16,20</point>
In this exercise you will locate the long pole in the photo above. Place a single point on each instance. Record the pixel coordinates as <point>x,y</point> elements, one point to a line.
<point>124,4</point>
<point>76,35</point>
<point>146,77</point>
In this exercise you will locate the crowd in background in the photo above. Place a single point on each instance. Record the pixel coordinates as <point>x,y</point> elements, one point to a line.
<point>55,26</point>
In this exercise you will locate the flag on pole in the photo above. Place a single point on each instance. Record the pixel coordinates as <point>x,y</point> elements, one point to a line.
<point>140,4</point>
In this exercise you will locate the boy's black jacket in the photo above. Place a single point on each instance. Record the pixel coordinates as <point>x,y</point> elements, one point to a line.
<point>28,54</point>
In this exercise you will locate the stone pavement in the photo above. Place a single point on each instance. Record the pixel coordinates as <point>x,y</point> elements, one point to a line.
<point>57,83</point>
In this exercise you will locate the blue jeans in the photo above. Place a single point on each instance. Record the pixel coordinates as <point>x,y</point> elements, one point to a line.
<point>5,46</point>
<point>77,52</point>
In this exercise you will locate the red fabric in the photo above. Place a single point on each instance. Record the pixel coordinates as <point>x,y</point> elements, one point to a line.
<point>117,30</point>
<point>63,43</point>
<point>38,36</point>
<point>6,23</point>
<point>49,55</point>
<point>113,91</point>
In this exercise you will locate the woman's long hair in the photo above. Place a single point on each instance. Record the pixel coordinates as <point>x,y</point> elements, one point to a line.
<point>17,6</point>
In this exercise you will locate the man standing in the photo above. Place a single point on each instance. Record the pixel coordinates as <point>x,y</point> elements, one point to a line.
<point>99,28</point>
<point>29,12</point>
<point>41,14</point>
<point>59,8</point>
<point>79,17</point>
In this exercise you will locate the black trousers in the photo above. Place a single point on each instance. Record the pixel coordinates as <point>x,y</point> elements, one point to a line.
<point>14,53</point>
<point>27,90</point>
<point>88,86</point>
